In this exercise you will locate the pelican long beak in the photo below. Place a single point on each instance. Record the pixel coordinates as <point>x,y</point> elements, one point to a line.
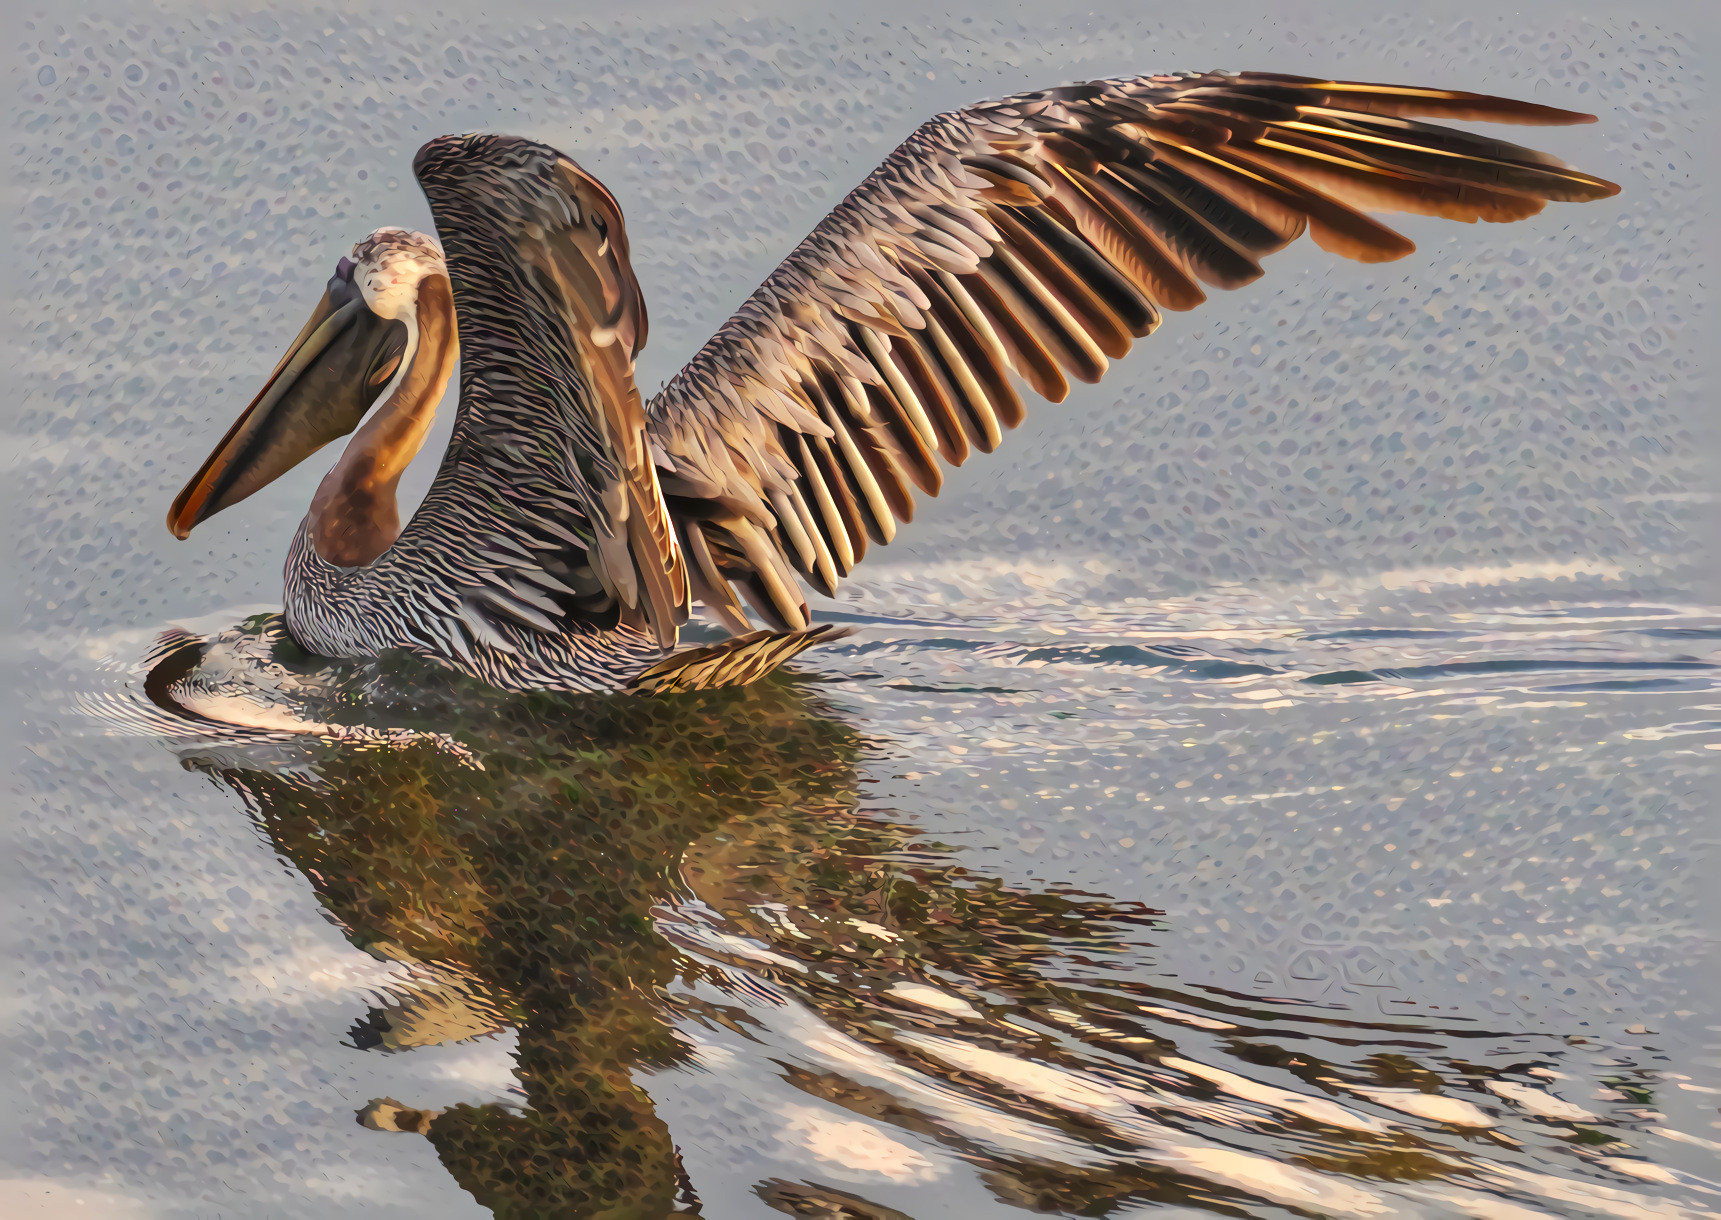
<point>319,392</point>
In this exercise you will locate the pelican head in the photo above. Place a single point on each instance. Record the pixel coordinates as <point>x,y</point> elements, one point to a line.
<point>382,336</point>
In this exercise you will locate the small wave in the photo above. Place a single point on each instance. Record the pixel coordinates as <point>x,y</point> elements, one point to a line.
<point>1455,669</point>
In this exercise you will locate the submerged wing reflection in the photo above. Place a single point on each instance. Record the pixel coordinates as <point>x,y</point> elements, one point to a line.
<point>636,885</point>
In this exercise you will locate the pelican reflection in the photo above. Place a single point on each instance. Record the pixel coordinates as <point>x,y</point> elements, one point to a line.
<point>641,887</point>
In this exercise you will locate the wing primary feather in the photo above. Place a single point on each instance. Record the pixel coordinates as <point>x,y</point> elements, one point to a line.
<point>1245,232</point>
<point>1335,228</point>
<point>879,450</point>
<point>1291,147</point>
<point>1443,152</point>
<point>878,351</point>
<point>709,584</point>
<point>1028,356</point>
<point>790,527</point>
<point>830,518</point>
<point>772,577</point>
<point>975,416</point>
<point>921,370</point>
<point>1253,194</point>
<point>1135,253</point>
<point>1134,312</point>
<point>880,523</point>
<point>1200,251</point>
<point>1081,302</point>
<point>911,448</point>
<point>1034,304</point>
<point>1363,186</point>
<point>1411,101</point>
<point>997,363</point>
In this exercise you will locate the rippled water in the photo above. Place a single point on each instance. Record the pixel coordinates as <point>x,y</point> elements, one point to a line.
<point>1340,913</point>
<point>1296,803</point>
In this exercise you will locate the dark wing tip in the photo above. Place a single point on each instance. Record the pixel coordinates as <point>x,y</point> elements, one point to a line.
<point>1487,109</point>
<point>1553,116</point>
<point>1406,101</point>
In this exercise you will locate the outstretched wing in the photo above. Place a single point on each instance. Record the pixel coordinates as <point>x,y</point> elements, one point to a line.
<point>549,466</point>
<point>1032,239</point>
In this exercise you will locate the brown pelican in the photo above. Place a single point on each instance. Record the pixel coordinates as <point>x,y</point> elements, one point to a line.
<point>1018,242</point>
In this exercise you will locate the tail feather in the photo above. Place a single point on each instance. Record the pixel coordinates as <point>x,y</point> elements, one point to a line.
<point>733,662</point>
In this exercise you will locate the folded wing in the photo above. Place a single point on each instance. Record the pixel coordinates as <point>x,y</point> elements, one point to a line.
<point>1026,242</point>
<point>548,493</point>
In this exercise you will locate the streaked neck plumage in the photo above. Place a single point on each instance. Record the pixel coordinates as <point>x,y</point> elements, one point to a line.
<point>354,516</point>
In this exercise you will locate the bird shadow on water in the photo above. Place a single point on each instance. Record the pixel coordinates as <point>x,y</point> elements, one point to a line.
<point>643,887</point>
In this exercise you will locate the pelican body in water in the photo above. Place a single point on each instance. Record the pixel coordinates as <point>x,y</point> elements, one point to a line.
<point>1015,243</point>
